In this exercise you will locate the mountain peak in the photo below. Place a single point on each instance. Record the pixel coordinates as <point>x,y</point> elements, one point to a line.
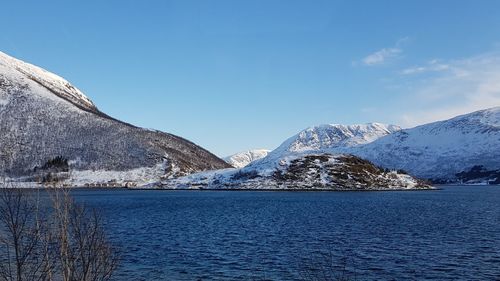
<point>329,136</point>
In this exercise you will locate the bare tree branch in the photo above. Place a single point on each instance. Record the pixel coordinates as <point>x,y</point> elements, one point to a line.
<point>58,240</point>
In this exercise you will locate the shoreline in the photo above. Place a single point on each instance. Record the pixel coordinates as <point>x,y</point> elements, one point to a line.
<point>432,188</point>
<point>226,189</point>
<point>287,190</point>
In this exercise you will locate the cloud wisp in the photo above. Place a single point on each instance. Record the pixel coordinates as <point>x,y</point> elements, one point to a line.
<point>431,66</point>
<point>381,56</point>
<point>452,88</point>
<point>385,55</point>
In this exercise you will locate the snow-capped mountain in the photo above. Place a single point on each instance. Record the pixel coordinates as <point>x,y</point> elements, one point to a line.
<point>329,138</point>
<point>310,160</point>
<point>441,149</point>
<point>48,125</point>
<point>437,151</point>
<point>465,149</point>
<point>333,136</point>
<point>242,159</point>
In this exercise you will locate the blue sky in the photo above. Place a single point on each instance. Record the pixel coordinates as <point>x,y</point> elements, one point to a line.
<point>236,75</point>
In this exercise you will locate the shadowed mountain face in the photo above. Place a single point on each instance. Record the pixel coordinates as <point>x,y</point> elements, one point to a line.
<point>42,117</point>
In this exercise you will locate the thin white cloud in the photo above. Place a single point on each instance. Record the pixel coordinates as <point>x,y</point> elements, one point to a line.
<point>381,56</point>
<point>431,66</point>
<point>386,54</point>
<point>453,88</point>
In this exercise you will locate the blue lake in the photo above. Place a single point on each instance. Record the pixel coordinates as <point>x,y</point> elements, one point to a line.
<point>449,234</point>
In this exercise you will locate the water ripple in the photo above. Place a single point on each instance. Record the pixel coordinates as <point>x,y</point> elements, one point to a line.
<point>451,234</point>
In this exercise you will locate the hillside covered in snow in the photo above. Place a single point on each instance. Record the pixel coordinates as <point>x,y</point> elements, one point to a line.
<point>242,159</point>
<point>330,138</point>
<point>305,162</point>
<point>464,149</point>
<point>50,127</point>
<point>441,150</point>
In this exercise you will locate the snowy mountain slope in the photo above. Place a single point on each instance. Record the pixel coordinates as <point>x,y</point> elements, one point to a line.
<point>242,159</point>
<point>53,83</point>
<point>329,138</point>
<point>441,149</point>
<point>335,135</point>
<point>43,117</point>
<point>436,151</point>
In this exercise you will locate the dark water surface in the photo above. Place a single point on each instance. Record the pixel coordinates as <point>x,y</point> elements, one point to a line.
<point>449,234</point>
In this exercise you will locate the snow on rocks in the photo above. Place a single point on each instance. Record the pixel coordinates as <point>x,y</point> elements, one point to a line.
<point>242,159</point>
<point>305,171</point>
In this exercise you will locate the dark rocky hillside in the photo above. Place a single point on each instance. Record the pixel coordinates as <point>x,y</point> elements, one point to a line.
<point>304,171</point>
<point>341,172</point>
<point>479,174</point>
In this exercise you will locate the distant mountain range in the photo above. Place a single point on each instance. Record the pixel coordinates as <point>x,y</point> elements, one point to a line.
<point>464,149</point>
<point>50,131</point>
<point>444,151</point>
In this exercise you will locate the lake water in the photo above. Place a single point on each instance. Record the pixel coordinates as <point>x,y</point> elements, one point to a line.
<point>449,234</point>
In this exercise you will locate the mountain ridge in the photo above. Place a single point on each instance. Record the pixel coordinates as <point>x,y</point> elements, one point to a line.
<point>328,138</point>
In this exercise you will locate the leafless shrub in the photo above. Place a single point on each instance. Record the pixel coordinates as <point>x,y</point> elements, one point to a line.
<point>83,250</point>
<point>62,240</point>
<point>24,239</point>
